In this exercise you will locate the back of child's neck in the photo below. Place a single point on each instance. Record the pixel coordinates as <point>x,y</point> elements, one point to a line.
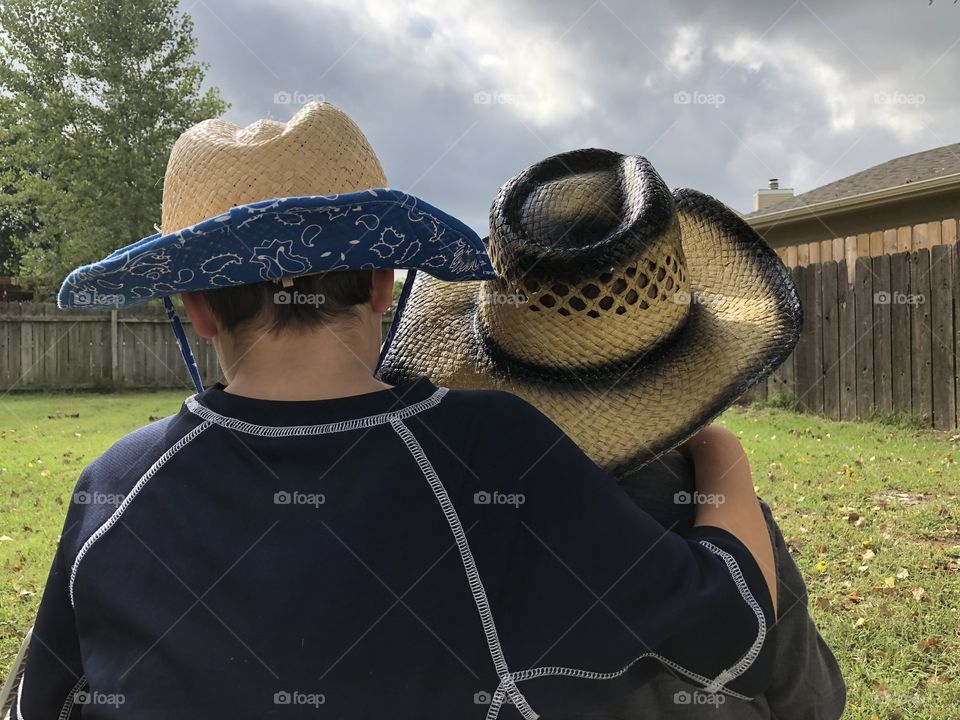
<point>308,366</point>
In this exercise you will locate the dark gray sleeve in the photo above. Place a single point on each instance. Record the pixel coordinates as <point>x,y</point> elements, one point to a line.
<point>807,684</point>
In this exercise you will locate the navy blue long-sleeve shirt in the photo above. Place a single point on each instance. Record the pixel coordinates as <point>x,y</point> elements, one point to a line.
<point>409,553</point>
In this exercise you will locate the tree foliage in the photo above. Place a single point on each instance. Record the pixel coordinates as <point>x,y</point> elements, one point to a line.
<point>93,93</point>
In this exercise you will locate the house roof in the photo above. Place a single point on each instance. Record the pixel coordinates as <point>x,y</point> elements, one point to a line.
<point>926,165</point>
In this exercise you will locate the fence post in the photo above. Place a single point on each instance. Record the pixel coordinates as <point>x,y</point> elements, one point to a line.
<point>921,335</point>
<point>831,341</point>
<point>864,337</point>
<point>941,319</point>
<point>114,349</point>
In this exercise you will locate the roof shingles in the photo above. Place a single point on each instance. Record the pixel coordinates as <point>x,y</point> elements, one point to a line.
<point>924,165</point>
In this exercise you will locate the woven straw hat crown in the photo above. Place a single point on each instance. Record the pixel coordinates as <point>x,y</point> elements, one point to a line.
<point>216,165</point>
<point>592,267</point>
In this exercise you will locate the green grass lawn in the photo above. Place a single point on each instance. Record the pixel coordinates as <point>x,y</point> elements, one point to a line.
<point>870,510</point>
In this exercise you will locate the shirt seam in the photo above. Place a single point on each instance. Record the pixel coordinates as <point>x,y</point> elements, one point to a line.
<point>232,423</point>
<point>71,699</point>
<point>128,500</point>
<point>507,685</point>
<point>718,684</point>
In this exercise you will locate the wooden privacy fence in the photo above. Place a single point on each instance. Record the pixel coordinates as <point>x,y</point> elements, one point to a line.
<point>884,344</point>
<point>906,238</point>
<point>44,348</point>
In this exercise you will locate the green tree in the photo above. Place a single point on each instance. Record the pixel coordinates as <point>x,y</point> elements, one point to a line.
<point>93,93</point>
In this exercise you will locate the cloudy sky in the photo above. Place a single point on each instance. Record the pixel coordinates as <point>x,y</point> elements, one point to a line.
<point>458,95</point>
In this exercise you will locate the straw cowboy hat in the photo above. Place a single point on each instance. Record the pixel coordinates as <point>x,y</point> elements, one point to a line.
<point>628,314</point>
<point>275,200</point>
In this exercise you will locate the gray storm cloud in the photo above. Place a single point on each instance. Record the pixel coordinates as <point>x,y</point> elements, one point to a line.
<point>457,96</point>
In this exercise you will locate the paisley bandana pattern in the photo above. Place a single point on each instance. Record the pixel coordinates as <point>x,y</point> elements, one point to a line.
<point>284,237</point>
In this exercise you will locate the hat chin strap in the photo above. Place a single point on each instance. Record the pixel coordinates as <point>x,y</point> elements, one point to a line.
<point>183,344</point>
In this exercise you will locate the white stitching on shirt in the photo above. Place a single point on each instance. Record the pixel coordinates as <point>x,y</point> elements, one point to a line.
<point>507,684</point>
<point>718,684</point>
<point>751,655</point>
<point>19,698</point>
<point>71,699</point>
<point>194,406</point>
<point>115,517</point>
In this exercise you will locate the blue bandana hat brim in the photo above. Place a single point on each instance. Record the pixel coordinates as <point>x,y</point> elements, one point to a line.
<point>284,237</point>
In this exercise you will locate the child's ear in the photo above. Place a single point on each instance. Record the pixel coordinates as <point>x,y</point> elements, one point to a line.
<point>200,314</point>
<point>382,297</point>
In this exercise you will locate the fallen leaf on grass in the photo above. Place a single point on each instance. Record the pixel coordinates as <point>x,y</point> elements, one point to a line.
<point>930,643</point>
<point>5,538</point>
<point>854,597</point>
<point>918,593</point>
<point>823,603</point>
<point>903,574</point>
<point>821,567</point>
<point>868,555</point>
<point>859,622</point>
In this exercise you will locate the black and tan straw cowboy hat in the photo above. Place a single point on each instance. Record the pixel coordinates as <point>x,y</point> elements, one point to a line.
<point>630,315</point>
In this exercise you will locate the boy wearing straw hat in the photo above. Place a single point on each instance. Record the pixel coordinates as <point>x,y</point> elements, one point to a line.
<point>643,315</point>
<point>307,538</point>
